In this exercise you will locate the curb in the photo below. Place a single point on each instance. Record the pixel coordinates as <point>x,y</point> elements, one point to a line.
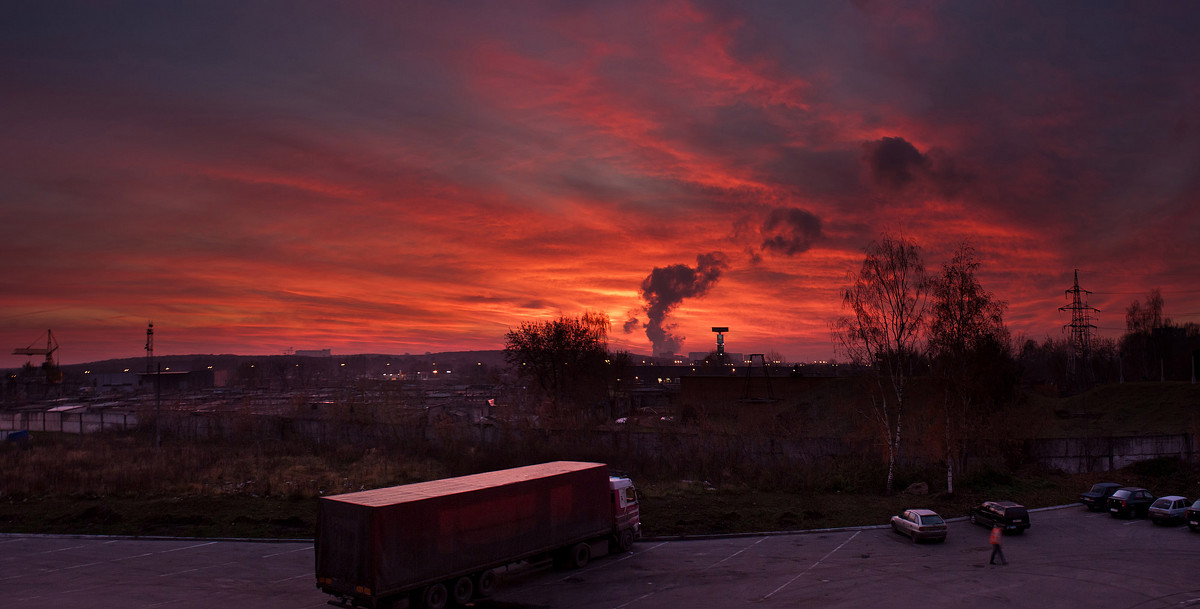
<point>810,531</point>
<point>653,538</point>
<point>153,538</point>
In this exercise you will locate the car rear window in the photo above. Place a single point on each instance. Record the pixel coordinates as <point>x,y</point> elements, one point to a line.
<point>932,519</point>
<point>1162,503</point>
<point>1099,488</point>
<point>1121,494</point>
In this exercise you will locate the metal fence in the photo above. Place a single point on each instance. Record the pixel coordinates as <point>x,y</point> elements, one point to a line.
<point>68,422</point>
<point>1071,455</point>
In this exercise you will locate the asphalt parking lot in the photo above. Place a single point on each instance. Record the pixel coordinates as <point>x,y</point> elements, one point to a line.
<point>1070,558</point>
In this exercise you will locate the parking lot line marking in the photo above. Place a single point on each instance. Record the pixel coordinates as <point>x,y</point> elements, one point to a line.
<point>605,564</point>
<point>199,545</point>
<point>735,553</point>
<point>288,579</point>
<point>224,564</point>
<point>634,600</point>
<point>113,560</point>
<point>304,549</point>
<point>58,550</point>
<point>601,565</point>
<point>811,567</point>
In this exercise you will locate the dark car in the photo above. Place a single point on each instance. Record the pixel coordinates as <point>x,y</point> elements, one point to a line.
<point>1097,498</point>
<point>1012,517</point>
<point>1130,501</point>
<point>1192,516</point>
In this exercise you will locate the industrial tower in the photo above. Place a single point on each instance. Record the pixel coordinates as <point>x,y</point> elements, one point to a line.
<point>1080,329</point>
<point>720,330</point>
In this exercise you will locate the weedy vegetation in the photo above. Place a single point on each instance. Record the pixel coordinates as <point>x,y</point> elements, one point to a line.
<point>121,484</point>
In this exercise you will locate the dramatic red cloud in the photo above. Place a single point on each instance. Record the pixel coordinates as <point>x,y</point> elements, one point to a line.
<point>397,178</point>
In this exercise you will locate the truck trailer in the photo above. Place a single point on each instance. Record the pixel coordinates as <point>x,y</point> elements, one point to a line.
<point>433,543</point>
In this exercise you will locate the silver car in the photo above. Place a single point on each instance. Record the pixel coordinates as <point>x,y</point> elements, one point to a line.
<point>920,524</point>
<point>1169,509</point>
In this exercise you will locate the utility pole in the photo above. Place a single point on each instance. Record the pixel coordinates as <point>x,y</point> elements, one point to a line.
<point>149,347</point>
<point>1081,326</point>
<point>157,388</point>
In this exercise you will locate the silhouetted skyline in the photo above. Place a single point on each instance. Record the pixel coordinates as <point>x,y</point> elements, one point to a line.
<point>412,177</point>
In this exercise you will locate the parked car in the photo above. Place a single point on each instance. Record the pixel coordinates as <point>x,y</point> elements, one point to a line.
<point>1097,498</point>
<point>1130,501</point>
<point>1169,509</point>
<point>920,524</point>
<point>1192,516</point>
<point>1013,517</point>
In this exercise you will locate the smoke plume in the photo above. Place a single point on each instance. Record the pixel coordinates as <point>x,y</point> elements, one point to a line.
<point>666,287</point>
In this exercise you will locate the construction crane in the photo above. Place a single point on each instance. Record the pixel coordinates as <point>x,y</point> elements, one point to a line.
<point>53,374</point>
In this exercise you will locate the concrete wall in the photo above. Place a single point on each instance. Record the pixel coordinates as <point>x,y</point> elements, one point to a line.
<point>1075,455</point>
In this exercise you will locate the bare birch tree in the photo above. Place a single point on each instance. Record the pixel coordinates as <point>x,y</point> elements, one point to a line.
<point>969,345</point>
<point>886,303</point>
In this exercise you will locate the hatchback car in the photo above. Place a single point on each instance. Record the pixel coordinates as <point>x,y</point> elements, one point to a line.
<point>1192,516</point>
<point>1130,501</point>
<point>1012,517</point>
<point>1169,509</point>
<point>1097,498</point>
<point>920,524</point>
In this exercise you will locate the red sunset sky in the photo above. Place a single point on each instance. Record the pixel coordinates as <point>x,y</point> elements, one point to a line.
<point>393,177</point>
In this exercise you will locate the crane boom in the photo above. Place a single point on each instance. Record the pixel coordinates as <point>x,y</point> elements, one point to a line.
<point>51,347</point>
<point>53,374</point>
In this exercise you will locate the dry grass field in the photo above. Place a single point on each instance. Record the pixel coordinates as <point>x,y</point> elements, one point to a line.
<point>121,483</point>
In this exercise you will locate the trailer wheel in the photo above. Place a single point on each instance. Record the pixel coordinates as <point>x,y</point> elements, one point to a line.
<point>435,596</point>
<point>580,555</point>
<point>485,583</point>
<point>463,590</point>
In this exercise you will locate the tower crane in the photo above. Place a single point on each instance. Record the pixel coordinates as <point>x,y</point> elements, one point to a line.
<point>53,374</point>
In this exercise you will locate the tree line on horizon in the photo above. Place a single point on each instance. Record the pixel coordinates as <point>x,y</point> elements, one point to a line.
<point>900,321</point>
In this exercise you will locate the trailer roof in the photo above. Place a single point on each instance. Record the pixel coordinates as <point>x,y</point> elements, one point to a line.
<point>450,486</point>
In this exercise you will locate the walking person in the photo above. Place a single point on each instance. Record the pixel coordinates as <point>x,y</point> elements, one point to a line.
<point>997,540</point>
